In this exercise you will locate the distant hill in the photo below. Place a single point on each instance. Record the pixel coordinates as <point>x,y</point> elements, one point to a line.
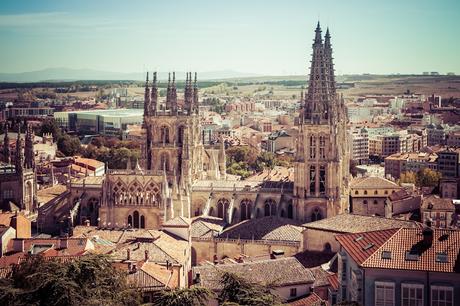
<point>68,74</point>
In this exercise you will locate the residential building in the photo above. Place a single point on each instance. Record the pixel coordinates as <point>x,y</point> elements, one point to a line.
<point>449,162</point>
<point>359,146</point>
<point>406,266</point>
<point>368,195</point>
<point>440,211</point>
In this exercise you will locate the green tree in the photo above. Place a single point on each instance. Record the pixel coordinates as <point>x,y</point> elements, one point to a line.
<point>427,177</point>
<point>408,177</point>
<point>240,291</point>
<point>68,145</point>
<point>90,280</point>
<point>194,296</point>
<point>50,126</point>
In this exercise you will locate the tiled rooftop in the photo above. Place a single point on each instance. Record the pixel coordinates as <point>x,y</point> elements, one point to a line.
<point>266,228</point>
<point>362,245</point>
<point>352,223</point>
<point>277,272</point>
<point>372,182</point>
<point>406,250</point>
<point>434,202</point>
<point>312,300</point>
<point>207,227</point>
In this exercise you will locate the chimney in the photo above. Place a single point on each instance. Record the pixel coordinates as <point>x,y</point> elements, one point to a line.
<point>63,243</point>
<point>197,279</point>
<point>87,223</point>
<point>146,257</point>
<point>428,234</point>
<point>128,254</point>
<point>18,245</point>
<point>167,264</point>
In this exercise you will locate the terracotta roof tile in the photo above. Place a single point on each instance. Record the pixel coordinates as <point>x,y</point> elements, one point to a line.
<point>362,245</point>
<point>266,228</point>
<point>352,223</point>
<point>311,300</point>
<point>442,255</point>
<point>372,182</point>
<point>277,272</point>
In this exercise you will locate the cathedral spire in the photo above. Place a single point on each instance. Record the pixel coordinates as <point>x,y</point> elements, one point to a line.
<point>174,95</point>
<point>154,95</point>
<point>195,94</point>
<point>147,97</point>
<point>319,98</point>
<point>318,39</point>
<point>19,156</point>
<point>168,93</point>
<point>29,148</point>
<point>6,146</point>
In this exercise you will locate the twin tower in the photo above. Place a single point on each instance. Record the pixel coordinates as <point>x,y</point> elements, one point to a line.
<point>152,107</point>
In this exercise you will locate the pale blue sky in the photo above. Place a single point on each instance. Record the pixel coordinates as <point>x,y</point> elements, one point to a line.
<point>263,37</point>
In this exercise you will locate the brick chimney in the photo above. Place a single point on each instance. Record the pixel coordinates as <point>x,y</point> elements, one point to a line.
<point>63,243</point>
<point>18,245</point>
<point>128,254</point>
<point>146,257</point>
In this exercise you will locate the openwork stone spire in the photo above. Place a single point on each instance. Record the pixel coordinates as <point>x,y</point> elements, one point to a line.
<point>321,87</point>
<point>6,146</point>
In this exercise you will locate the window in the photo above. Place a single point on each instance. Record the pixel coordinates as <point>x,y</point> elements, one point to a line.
<point>312,179</point>
<point>8,194</point>
<point>442,296</point>
<point>384,294</point>
<point>322,179</point>
<point>293,292</point>
<point>411,294</point>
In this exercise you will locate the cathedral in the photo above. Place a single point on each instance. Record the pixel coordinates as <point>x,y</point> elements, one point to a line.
<point>18,188</point>
<point>180,176</point>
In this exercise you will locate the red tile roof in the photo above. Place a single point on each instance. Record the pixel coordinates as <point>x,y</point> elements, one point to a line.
<point>334,281</point>
<point>362,245</point>
<point>311,300</point>
<point>445,243</point>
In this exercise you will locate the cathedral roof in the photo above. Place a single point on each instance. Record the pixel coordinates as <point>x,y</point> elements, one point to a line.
<point>277,272</point>
<point>266,228</point>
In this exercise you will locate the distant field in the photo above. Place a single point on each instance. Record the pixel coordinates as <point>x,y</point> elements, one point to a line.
<point>270,87</point>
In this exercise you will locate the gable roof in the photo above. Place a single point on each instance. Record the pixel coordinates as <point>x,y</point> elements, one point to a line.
<point>446,243</point>
<point>353,223</point>
<point>362,245</point>
<point>277,272</point>
<point>372,182</point>
<point>266,228</point>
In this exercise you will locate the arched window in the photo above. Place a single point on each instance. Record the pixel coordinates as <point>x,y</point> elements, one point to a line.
<point>180,134</point>
<point>327,247</point>
<point>376,202</point>
<point>245,209</point>
<point>322,179</point>
<point>376,192</point>
<point>164,132</point>
<point>164,161</point>
<point>130,221</point>
<point>386,191</point>
<point>365,202</point>
<point>142,221</point>
<point>270,208</point>
<point>136,219</point>
<point>312,179</point>
<point>290,211</point>
<point>267,210</point>
<point>365,191</point>
<point>312,147</point>
<point>316,215</point>
<point>356,192</point>
<point>222,208</point>
<point>282,213</point>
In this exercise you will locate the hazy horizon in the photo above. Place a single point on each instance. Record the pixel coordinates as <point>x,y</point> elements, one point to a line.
<point>267,38</point>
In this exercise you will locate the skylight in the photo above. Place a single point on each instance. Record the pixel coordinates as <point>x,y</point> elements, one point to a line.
<point>386,254</point>
<point>441,257</point>
<point>367,247</point>
<point>359,238</point>
<point>412,256</point>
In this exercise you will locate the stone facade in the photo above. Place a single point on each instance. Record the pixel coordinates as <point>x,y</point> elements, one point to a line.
<point>179,175</point>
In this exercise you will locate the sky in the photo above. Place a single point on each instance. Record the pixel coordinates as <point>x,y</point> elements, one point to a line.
<point>253,36</point>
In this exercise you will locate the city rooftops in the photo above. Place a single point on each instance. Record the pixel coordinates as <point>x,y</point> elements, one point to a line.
<point>352,223</point>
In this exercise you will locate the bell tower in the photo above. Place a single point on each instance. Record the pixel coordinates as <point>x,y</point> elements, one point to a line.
<point>321,171</point>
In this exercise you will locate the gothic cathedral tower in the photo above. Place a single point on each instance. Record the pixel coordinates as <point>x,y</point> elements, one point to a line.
<point>173,145</point>
<point>322,160</point>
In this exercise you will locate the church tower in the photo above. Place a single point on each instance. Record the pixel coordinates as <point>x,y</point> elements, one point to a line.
<point>321,170</point>
<point>173,144</point>
<point>6,146</point>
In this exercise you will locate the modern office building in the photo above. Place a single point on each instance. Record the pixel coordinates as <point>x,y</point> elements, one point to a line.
<point>105,122</point>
